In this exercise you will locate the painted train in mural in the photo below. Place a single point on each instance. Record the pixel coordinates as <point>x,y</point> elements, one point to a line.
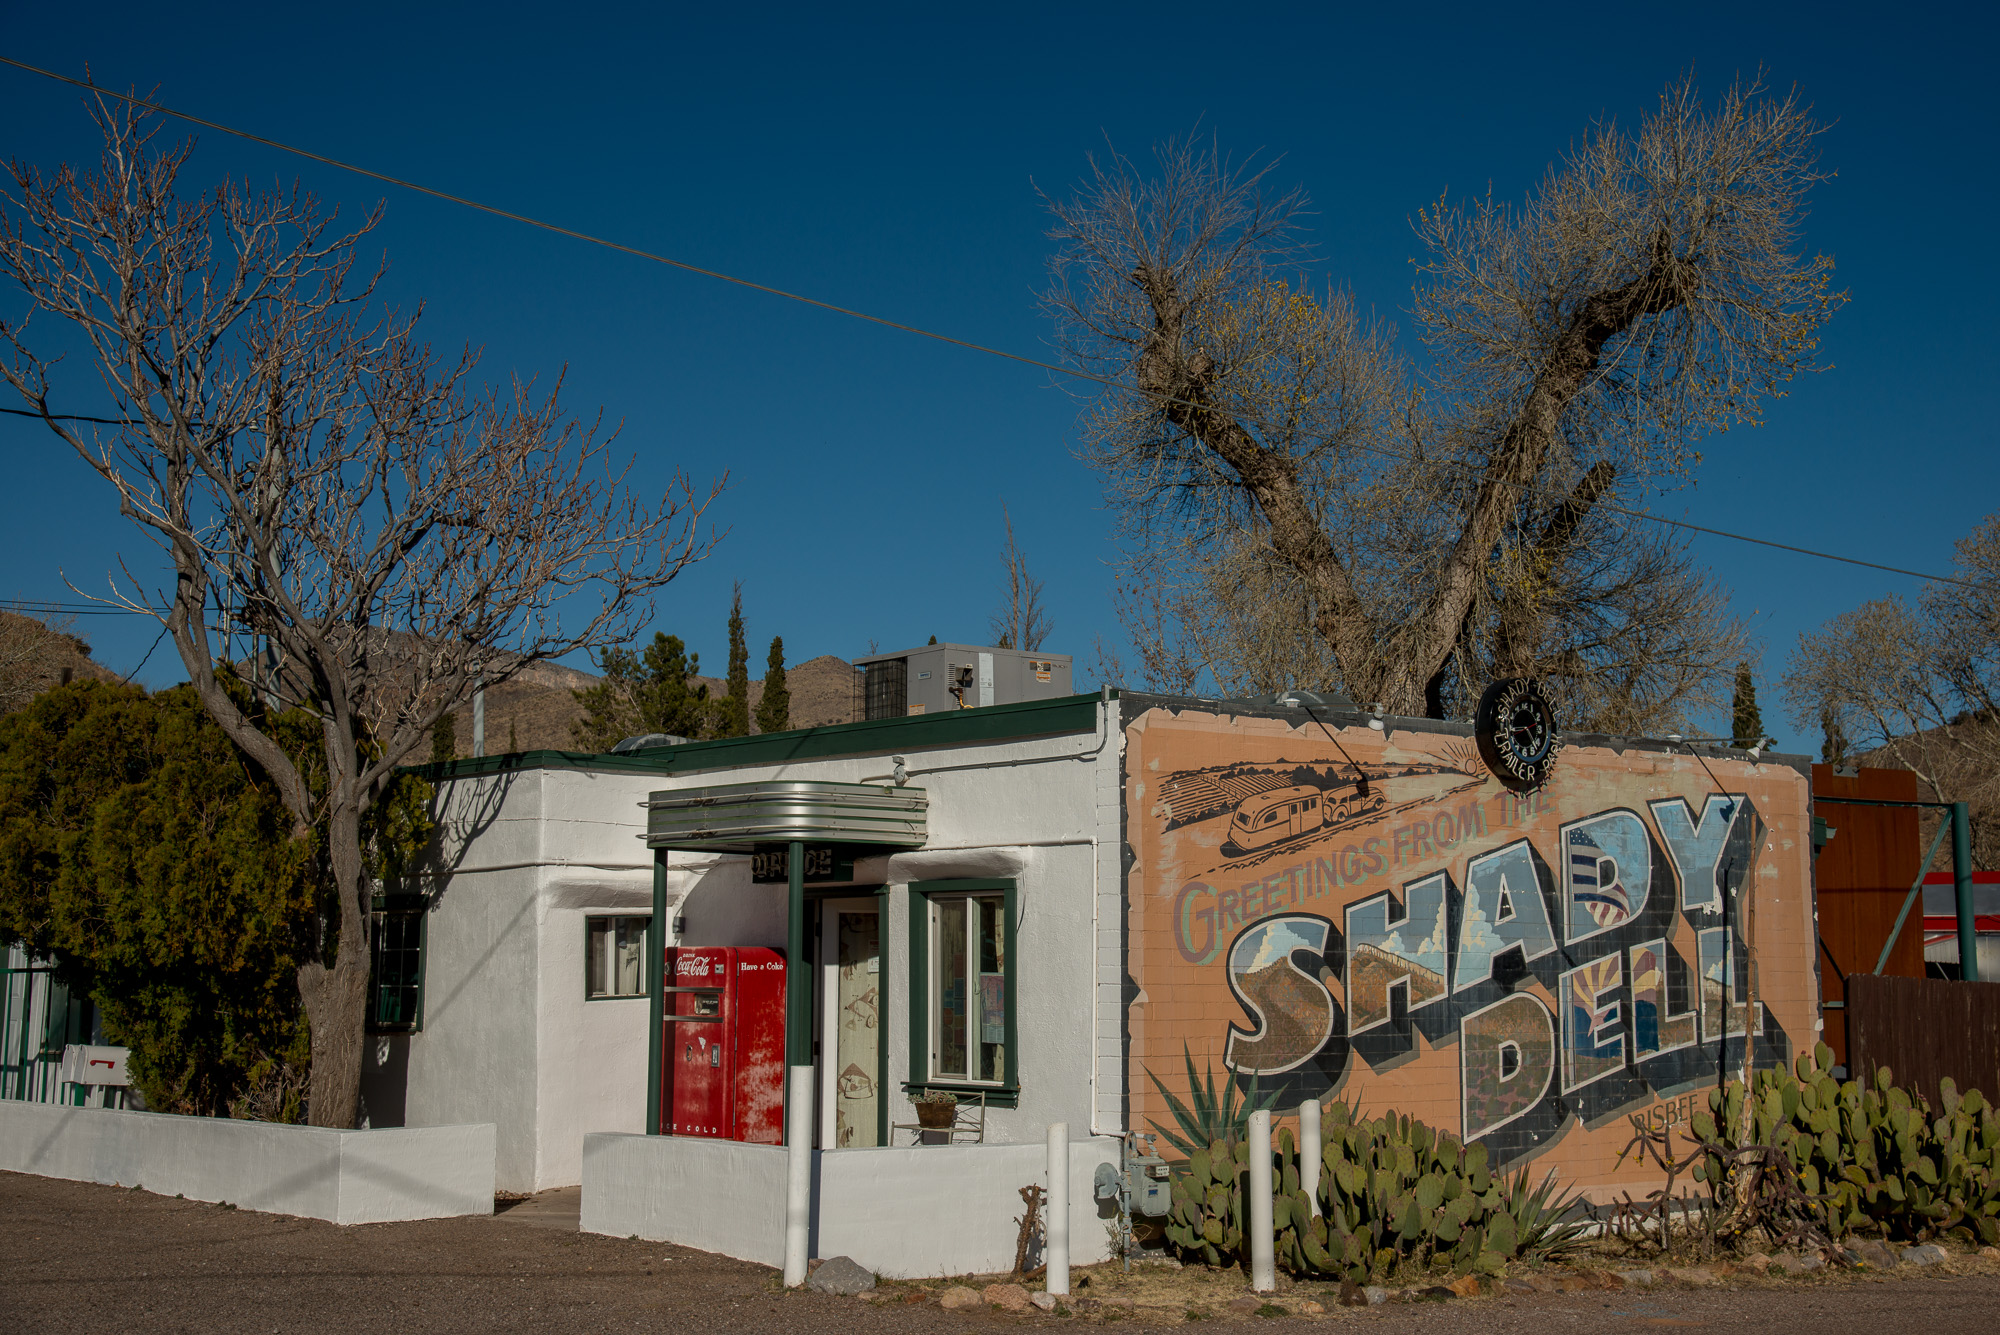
<point>1506,963</point>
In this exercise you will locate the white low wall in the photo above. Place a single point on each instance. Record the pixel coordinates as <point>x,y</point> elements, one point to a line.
<point>718,1195</point>
<point>348,1177</point>
<point>908,1213</point>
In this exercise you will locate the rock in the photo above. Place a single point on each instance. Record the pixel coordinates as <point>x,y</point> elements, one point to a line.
<point>1244,1304</point>
<point>1011,1297</point>
<point>1635,1279</point>
<point>958,1297</point>
<point>1798,1265</point>
<point>1756,1261</point>
<point>1045,1301</point>
<point>1375,1294</point>
<point>1311,1308</point>
<point>840,1274</point>
<point>1873,1254</point>
<point>1468,1286</point>
<point>1926,1254</point>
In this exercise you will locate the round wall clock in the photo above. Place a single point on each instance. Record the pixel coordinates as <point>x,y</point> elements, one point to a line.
<point>1516,730</point>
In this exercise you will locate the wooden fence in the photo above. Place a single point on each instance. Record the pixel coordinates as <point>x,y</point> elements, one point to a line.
<point>1923,1030</point>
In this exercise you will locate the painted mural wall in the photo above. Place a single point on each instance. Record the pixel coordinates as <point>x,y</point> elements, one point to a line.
<point>1525,969</point>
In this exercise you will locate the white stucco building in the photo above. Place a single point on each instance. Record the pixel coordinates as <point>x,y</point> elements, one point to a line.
<point>485,985</point>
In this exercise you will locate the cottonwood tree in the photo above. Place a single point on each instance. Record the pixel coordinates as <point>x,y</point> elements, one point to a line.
<point>1437,526</point>
<point>1917,685</point>
<point>1022,622</point>
<point>316,476</point>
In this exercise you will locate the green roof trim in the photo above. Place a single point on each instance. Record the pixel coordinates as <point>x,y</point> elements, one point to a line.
<point>917,732</point>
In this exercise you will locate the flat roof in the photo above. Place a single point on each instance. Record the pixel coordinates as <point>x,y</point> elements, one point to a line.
<point>916,732</point>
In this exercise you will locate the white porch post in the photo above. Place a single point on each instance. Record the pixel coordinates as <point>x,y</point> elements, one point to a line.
<point>1263,1274</point>
<point>1058,1209</point>
<point>1309,1153</point>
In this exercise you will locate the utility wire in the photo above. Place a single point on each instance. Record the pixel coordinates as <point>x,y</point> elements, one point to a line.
<point>921,332</point>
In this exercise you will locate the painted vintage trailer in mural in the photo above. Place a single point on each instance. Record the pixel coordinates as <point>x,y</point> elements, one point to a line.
<point>1527,969</point>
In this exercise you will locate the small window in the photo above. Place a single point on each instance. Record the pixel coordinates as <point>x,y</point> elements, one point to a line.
<point>969,990</point>
<point>615,956</point>
<point>396,984</point>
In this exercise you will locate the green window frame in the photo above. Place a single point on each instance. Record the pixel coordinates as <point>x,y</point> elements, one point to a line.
<point>397,931</point>
<point>614,955</point>
<point>950,1044</point>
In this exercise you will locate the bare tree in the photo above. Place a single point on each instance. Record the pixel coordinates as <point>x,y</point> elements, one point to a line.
<point>1021,623</point>
<point>317,477</point>
<point>1917,686</point>
<point>1447,527</point>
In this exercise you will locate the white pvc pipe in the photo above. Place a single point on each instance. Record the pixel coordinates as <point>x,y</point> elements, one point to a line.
<point>1263,1274</point>
<point>1055,1213</point>
<point>1309,1153</point>
<point>798,1173</point>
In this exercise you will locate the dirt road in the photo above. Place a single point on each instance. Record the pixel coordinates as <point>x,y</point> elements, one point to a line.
<point>90,1259</point>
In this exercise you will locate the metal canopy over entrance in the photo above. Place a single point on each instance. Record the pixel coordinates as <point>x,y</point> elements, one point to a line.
<point>736,817</point>
<point>759,818</point>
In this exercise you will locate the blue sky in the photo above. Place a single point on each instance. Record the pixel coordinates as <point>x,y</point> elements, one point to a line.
<point>887,159</point>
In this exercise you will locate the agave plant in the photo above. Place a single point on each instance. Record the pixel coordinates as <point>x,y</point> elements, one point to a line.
<point>1539,1228</point>
<point>1214,1116</point>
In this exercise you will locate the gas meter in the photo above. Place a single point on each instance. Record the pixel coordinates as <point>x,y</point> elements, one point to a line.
<point>1146,1181</point>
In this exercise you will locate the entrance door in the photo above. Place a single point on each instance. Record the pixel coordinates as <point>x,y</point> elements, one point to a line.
<point>850,1042</point>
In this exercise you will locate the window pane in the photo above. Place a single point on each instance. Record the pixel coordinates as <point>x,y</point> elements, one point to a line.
<point>992,989</point>
<point>614,957</point>
<point>594,948</point>
<point>631,956</point>
<point>397,967</point>
<point>951,988</point>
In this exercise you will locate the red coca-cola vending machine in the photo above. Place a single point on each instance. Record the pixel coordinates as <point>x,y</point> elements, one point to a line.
<point>722,1071</point>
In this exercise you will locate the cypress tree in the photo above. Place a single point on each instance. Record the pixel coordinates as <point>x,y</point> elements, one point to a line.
<point>733,710</point>
<point>774,710</point>
<point>444,738</point>
<point>1746,722</point>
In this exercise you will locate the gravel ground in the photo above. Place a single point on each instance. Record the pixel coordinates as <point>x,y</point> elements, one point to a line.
<point>90,1259</point>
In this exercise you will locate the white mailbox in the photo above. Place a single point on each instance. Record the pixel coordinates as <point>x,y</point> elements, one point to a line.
<point>88,1064</point>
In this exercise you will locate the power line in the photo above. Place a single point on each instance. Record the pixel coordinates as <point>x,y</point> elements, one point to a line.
<point>842,310</point>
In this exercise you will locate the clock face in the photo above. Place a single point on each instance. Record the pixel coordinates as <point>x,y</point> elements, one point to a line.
<point>1516,731</point>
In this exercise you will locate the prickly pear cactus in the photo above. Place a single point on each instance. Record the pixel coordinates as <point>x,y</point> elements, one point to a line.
<point>1392,1191</point>
<point>1873,1155</point>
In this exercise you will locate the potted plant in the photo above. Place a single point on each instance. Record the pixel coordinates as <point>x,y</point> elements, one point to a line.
<point>937,1110</point>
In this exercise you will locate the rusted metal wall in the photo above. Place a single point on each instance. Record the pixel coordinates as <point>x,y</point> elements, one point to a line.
<point>1862,877</point>
<point>1924,1029</point>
